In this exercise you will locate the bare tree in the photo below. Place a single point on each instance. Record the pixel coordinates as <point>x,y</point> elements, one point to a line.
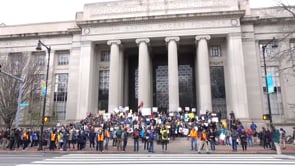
<point>285,5</point>
<point>287,56</point>
<point>23,66</point>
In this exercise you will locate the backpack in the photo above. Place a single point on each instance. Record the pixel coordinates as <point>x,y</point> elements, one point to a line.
<point>34,137</point>
<point>235,134</point>
<point>136,134</point>
<point>151,136</point>
<point>119,133</point>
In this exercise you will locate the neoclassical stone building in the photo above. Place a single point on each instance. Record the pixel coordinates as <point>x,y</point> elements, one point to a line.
<point>169,54</point>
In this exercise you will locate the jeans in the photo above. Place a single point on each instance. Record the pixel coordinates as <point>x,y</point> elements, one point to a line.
<point>64,146</point>
<point>194,144</point>
<point>212,144</point>
<point>250,140</point>
<point>234,145</point>
<point>146,144</point>
<point>136,145</point>
<point>151,148</point>
<point>106,146</point>
<point>124,144</point>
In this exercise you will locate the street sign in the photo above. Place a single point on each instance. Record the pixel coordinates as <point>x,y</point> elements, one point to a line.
<point>24,104</point>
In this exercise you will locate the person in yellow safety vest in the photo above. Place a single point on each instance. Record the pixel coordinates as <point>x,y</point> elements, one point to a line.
<point>25,140</point>
<point>164,137</point>
<point>194,136</point>
<point>203,141</point>
<point>53,138</point>
<point>100,139</point>
<point>59,140</point>
<point>107,138</point>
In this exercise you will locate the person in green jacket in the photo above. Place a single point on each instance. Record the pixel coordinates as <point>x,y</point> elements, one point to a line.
<point>276,140</point>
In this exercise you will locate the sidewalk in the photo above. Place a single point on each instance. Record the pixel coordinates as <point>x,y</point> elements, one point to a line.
<point>178,146</point>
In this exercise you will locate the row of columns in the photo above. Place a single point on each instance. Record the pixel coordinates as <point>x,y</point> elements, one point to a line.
<point>236,90</point>
<point>145,77</point>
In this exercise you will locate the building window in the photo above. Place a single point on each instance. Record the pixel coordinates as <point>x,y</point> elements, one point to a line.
<point>16,60</point>
<point>215,51</point>
<point>63,58</point>
<point>275,97</point>
<point>103,90</point>
<point>39,58</point>
<point>162,92</point>
<point>60,95</point>
<point>268,50</point>
<point>104,79</point>
<point>105,56</point>
<point>218,90</point>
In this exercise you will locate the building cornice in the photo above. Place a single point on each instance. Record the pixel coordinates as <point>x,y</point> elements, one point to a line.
<point>39,34</point>
<point>256,20</point>
<point>236,13</point>
<point>274,20</point>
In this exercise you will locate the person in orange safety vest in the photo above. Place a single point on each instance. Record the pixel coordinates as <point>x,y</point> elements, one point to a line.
<point>203,141</point>
<point>194,136</point>
<point>100,140</point>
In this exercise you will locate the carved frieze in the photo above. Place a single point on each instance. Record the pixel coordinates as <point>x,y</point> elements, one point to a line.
<point>158,26</point>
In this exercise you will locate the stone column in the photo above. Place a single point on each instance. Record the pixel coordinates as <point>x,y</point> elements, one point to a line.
<point>73,84</point>
<point>238,102</point>
<point>173,73</point>
<point>203,73</point>
<point>144,87</point>
<point>114,78</point>
<point>86,83</point>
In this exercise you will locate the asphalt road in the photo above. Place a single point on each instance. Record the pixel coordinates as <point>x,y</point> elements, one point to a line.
<point>101,159</point>
<point>23,158</point>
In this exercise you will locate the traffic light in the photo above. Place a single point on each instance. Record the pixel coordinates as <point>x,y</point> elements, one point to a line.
<point>265,117</point>
<point>45,118</point>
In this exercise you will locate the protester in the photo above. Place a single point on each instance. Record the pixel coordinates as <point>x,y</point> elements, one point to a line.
<point>194,136</point>
<point>203,141</point>
<point>164,137</point>
<point>276,140</point>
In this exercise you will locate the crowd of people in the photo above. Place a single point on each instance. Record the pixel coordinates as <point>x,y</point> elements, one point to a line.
<point>96,132</point>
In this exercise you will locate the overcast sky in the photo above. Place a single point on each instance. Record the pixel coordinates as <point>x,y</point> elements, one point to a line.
<point>35,11</point>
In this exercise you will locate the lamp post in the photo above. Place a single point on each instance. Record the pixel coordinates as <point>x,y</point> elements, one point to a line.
<point>274,45</point>
<point>39,47</point>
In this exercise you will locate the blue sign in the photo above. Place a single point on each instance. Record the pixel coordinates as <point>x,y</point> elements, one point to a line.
<point>270,84</point>
<point>24,104</point>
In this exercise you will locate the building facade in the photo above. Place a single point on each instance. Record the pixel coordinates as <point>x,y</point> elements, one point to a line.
<point>198,55</point>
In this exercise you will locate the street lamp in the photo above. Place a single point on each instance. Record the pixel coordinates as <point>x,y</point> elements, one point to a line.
<point>274,45</point>
<point>39,47</point>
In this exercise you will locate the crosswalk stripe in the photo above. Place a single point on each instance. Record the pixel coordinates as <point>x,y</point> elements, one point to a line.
<point>154,159</point>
